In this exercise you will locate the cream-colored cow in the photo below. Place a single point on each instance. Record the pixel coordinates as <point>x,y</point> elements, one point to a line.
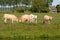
<point>33,18</point>
<point>29,18</point>
<point>24,18</point>
<point>47,19</point>
<point>10,17</point>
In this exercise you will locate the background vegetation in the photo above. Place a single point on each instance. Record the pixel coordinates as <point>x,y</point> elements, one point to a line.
<point>30,5</point>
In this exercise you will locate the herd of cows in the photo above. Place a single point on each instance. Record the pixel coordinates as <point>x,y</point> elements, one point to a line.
<point>30,18</point>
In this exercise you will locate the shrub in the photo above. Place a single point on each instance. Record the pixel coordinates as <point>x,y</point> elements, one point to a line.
<point>42,9</point>
<point>19,9</point>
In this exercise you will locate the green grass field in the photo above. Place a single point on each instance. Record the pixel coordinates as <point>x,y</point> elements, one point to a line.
<point>31,31</point>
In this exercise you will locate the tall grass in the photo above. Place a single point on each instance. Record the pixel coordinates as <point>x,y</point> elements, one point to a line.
<point>30,31</point>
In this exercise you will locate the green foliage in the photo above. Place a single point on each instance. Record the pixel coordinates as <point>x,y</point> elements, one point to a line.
<point>58,8</point>
<point>27,2</point>
<point>49,2</point>
<point>19,9</point>
<point>44,9</point>
<point>9,2</point>
<point>39,6</point>
<point>12,2</point>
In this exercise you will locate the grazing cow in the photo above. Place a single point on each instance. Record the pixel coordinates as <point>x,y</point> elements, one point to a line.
<point>10,17</point>
<point>47,19</point>
<point>24,18</point>
<point>29,18</point>
<point>33,18</point>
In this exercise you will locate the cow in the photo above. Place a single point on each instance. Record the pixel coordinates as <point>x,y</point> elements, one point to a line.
<point>33,18</point>
<point>24,18</point>
<point>28,17</point>
<point>47,19</point>
<point>10,17</point>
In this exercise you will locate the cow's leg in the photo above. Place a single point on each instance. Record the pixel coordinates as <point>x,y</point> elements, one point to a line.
<point>30,20</point>
<point>5,20</point>
<point>49,22</point>
<point>12,20</point>
<point>19,20</point>
<point>33,20</point>
<point>36,20</point>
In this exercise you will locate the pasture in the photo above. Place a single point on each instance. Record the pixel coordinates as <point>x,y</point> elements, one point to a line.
<point>31,31</point>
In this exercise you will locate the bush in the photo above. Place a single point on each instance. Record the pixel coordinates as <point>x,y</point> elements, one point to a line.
<point>39,6</point>
<point>19,9</point>
<point>44,10</point>
<point>39,10</point>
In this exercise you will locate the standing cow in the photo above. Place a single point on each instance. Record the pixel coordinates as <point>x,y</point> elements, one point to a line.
<point>10,17</point>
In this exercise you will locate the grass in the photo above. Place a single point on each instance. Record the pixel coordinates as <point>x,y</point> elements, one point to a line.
<point>31,31</point>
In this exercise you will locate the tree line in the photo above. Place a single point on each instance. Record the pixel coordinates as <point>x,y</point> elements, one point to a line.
<point>36,5</point>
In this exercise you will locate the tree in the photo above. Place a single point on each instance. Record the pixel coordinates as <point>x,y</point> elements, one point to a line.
<point>40,6</point>
<point>9,2</point>
<point>49,2</point>
<point>26,2</point>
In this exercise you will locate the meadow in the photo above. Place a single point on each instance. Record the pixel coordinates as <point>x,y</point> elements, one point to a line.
<point>31,31</point>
